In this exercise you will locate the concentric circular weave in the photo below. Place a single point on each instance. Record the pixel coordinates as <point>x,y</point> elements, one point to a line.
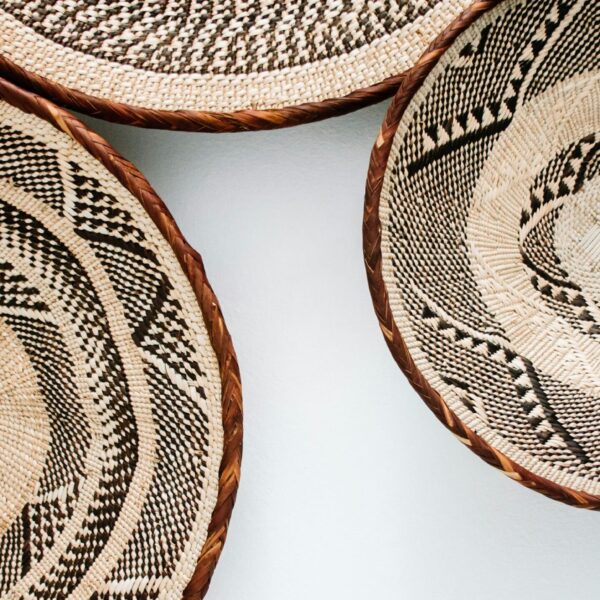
<point>216,65</point>
<point>120,410</point>
<point>482,239</point>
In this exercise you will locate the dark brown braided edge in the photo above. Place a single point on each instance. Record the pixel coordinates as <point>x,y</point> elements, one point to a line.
<point>189,120</point>
<point>372,255</point>
<point>191,263</point>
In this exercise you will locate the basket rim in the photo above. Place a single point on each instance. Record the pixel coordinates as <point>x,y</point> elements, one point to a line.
<point>373,263</point>
<point>191,263</point>
<point>197,120</point>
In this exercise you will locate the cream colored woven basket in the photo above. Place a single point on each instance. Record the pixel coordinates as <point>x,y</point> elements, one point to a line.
<point>143,61</point>
<point>120,414</point>
<point>482,239</point>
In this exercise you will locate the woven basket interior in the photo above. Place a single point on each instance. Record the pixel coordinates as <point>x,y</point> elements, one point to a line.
<point>220,56</point>
<point>111,433</point>
<point>490,216</point>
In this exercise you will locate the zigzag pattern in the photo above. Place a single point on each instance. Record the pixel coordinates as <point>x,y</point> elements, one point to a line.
<point>494,116</point>
<point>489,252</point>
<point>90,289</point>
<point>562,178</point>
<point>535,405</point>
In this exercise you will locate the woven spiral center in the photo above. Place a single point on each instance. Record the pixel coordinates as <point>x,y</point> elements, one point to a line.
<point>577,235</point>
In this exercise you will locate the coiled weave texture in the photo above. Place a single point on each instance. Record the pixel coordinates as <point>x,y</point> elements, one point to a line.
<point>120,414</point>
<point>146,62</point>
<point>482,239</point>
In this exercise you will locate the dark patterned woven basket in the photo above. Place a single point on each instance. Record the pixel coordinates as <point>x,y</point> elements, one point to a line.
<point>219,66</point>
<point>482,238</point>
<point>120,412</point>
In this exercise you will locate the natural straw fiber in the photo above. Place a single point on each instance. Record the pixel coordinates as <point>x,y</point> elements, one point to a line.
<point>482,238</point>
<point>216,66</point>
<point>120,406</point>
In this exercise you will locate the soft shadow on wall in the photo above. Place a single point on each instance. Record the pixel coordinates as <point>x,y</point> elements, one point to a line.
<point>350,487</point>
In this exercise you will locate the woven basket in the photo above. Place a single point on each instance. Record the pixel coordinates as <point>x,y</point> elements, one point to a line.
<point>482,238</point>
<point>216,66</point>
<point>120,405</point>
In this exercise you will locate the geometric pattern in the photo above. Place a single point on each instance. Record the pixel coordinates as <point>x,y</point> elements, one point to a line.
<point>490,228</point>
<point>239,25</point>
<point>111,433</point>
<point>220,55</point>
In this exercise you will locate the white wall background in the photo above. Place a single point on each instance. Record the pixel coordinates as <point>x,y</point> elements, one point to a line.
<point>350,489</point>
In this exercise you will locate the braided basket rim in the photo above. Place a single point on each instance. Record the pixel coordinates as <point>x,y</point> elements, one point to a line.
<point>195,120</point>
<point>372,236</point>
<point>231,399</point>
